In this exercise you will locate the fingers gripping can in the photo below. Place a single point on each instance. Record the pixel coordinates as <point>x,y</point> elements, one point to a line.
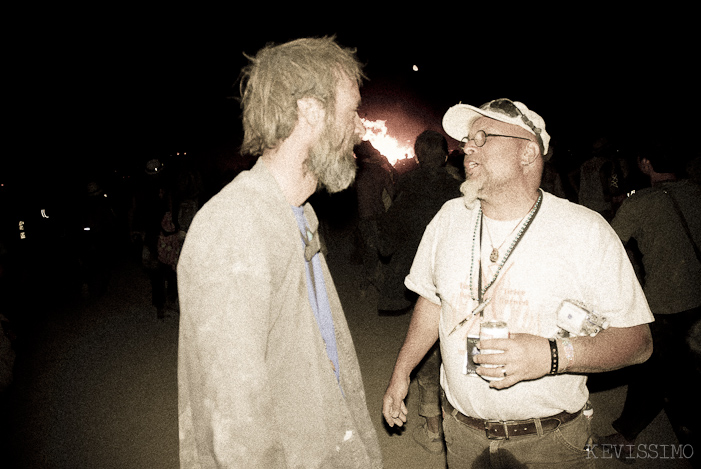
<point>493,330</point>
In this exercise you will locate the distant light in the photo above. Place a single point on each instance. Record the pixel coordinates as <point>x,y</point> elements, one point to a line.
<point>43,213</point>
<point>415,68</point>
<point>87,228</point>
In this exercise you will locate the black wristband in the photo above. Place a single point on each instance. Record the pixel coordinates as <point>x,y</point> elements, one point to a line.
<point>554,358</point>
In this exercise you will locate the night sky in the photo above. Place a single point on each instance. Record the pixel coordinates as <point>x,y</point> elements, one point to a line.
<point>121,87</point>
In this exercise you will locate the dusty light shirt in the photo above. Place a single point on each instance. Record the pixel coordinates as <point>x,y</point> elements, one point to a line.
<point>255,386</point>
<point>568,253</point>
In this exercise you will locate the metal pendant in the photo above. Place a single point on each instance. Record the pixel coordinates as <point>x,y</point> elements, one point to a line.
<point>494,256</point>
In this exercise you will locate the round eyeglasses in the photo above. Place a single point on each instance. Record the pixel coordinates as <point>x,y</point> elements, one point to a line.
<point>480,138</point>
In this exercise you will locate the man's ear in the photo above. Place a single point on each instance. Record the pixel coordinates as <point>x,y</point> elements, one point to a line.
<point>311,110</point>
<point>530,154</point>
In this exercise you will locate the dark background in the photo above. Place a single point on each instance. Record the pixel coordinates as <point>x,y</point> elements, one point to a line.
<point>94,94</point>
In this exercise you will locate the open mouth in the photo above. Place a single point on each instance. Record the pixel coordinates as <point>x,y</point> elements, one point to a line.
<point>471,165</point>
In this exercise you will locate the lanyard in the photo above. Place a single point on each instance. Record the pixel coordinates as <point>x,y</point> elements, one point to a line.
<point>481,291</point>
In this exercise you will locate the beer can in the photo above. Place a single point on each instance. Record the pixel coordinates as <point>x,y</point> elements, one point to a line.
<point>469,366</point>
<point>493,330</point>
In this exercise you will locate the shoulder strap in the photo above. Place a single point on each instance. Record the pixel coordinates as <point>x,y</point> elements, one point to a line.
<point>684,224</point>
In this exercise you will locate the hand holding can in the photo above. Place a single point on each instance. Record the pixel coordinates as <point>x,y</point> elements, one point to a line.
<point>493,330</point>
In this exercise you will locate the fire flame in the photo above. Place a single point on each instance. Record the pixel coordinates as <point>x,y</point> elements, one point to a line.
<point>376,134</point>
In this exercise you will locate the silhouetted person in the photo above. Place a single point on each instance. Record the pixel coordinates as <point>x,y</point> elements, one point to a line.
<point>419,195</point>
<point>99,240</point>
<point>375,191</point>
<point>602,180</point>
<point>665,220</point>
<point>7,358</point>
<point>169,244</point>
<point>151,202</point>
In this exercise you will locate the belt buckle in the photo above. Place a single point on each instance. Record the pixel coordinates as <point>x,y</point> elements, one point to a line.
<point>491,424</point>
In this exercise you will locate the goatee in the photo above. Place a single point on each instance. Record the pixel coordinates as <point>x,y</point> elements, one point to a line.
<point>469,189</point>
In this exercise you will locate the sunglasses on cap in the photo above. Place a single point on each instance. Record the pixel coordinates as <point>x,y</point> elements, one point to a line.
<point>508,108</point>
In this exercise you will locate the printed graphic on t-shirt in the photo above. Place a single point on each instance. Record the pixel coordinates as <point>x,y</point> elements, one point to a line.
<point>505,303</point>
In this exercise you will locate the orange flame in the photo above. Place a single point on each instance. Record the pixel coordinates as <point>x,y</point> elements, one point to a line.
<point>376,134</point>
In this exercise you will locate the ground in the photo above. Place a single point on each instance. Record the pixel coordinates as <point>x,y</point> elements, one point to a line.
<point>96,381</point>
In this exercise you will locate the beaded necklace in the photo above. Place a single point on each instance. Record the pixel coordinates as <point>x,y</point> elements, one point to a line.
<point>529,219</point>
<point>494,255</point>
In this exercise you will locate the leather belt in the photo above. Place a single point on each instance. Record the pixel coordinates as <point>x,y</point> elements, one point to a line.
<point>503,430</point>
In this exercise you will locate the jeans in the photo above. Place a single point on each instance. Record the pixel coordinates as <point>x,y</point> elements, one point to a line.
<point>470,448</point>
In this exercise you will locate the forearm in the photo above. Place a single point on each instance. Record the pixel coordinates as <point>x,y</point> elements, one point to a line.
<point>611,349</point>
<point>528,357</point>
<point>422,334</point>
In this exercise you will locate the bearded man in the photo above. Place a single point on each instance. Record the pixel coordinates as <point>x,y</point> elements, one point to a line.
<point>508,252</point>
<point>267,371</point>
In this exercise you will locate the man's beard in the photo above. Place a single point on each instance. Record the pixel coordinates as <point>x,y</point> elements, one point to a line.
<point>333,164</point>
<point>470,189</point>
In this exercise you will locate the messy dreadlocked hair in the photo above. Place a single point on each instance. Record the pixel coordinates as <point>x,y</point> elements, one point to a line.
<point>279,75</point>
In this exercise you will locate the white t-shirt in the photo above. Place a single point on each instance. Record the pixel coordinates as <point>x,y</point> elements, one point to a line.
<point>568,253</point>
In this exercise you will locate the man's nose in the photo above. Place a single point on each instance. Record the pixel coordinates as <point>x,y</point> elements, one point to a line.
<point>359,127</point>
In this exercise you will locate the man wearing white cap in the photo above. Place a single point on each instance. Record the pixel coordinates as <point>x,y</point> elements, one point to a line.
<point>511,253</point>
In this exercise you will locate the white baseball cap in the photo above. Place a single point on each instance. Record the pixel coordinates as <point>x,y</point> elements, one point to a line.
<point>459,118</point>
